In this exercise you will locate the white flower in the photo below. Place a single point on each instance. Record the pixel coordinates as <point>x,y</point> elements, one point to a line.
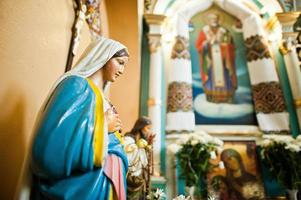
<point>279,139</point>
<point>293,147</point>
<point>298,138</point>
<point>218,141</point>
<point>159,194</point>
<point>183,139</point>
<point>264,142</point>
<point>297,142</point>
<point>181,197</point>
<point>219,149</point>
<point>194,142</point>
<point>174,148</point>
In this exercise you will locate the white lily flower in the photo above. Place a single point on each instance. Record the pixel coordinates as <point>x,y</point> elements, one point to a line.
<point>159,194</point>
<point>174,148</point>
<point>293,147</point>
<point>181,197</point>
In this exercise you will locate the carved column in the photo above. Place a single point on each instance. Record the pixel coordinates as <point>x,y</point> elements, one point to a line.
<point>155,84</point>
<point>288,49</point>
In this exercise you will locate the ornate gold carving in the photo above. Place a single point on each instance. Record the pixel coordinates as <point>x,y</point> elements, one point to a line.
<point>287,21</point>
<point>154,102</point>
<point>272,22</point>
<point>297,103</point>
<point>154,19</point>
<point>288,17</point>
<point>154,42</point>
<point>284,49</point>
<point>149,6</point>
<point>180,48</point>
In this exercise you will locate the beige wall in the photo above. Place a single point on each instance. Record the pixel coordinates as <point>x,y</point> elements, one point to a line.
<point>123,26</point>
<point>34,41</point>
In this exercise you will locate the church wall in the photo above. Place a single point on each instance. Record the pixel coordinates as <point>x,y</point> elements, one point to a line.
<point>123,26</point>
<point>34,43</point>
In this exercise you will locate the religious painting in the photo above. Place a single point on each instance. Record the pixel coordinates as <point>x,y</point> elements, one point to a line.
<point>236,175</point>
<point>221,84</point>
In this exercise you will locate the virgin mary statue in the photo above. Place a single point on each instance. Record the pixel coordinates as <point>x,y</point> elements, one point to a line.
<point>77,151</point>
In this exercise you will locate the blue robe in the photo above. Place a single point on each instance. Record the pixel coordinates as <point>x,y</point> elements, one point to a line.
<point>63,150</point>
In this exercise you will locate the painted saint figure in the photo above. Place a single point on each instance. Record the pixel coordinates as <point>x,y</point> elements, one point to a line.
<point>241,185</point>
<point>77,151</point>
<point>217,63</point>
<point>138,149</point>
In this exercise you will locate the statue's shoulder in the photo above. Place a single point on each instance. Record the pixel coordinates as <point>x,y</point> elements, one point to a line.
<point>73,82</point>
<point>73,79</point>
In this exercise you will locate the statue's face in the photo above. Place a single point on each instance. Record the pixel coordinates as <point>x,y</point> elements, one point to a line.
<point>114,68</point>
<point>146,131</point>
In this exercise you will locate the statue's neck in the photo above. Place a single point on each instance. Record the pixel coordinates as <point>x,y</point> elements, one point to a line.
<point>97,79</point>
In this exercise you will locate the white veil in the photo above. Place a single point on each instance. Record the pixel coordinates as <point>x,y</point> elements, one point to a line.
<point>96,55</point>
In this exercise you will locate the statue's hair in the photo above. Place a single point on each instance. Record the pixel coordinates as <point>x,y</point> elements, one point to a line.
<point>121,53</point>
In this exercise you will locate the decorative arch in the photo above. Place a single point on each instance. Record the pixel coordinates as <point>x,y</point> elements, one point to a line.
<point>267,95</point>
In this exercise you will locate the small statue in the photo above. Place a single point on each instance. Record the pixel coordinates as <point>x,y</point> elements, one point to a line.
<point>138,147</point>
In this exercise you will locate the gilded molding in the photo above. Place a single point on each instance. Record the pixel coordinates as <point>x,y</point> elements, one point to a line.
<point>154,19</point>
<point>149,6</point>
<point>284,49</point>
<point>297,103</point>
<point>154,102</point>
<point>272,22</point>
<point>288,17</point>
<point>154,42</point>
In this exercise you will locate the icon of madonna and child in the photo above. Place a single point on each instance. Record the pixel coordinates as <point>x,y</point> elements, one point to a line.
<point>235,181</point>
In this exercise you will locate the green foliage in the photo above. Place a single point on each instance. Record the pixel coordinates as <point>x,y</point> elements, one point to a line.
<point>284,164</point>
<point>194,162</point>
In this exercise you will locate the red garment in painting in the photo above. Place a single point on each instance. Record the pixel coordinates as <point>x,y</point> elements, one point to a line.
<point>217,63</point>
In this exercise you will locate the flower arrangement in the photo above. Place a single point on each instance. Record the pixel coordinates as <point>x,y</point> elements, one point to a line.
<point>160,195</point>
<point>194,152</point>
<point>282,154</point>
